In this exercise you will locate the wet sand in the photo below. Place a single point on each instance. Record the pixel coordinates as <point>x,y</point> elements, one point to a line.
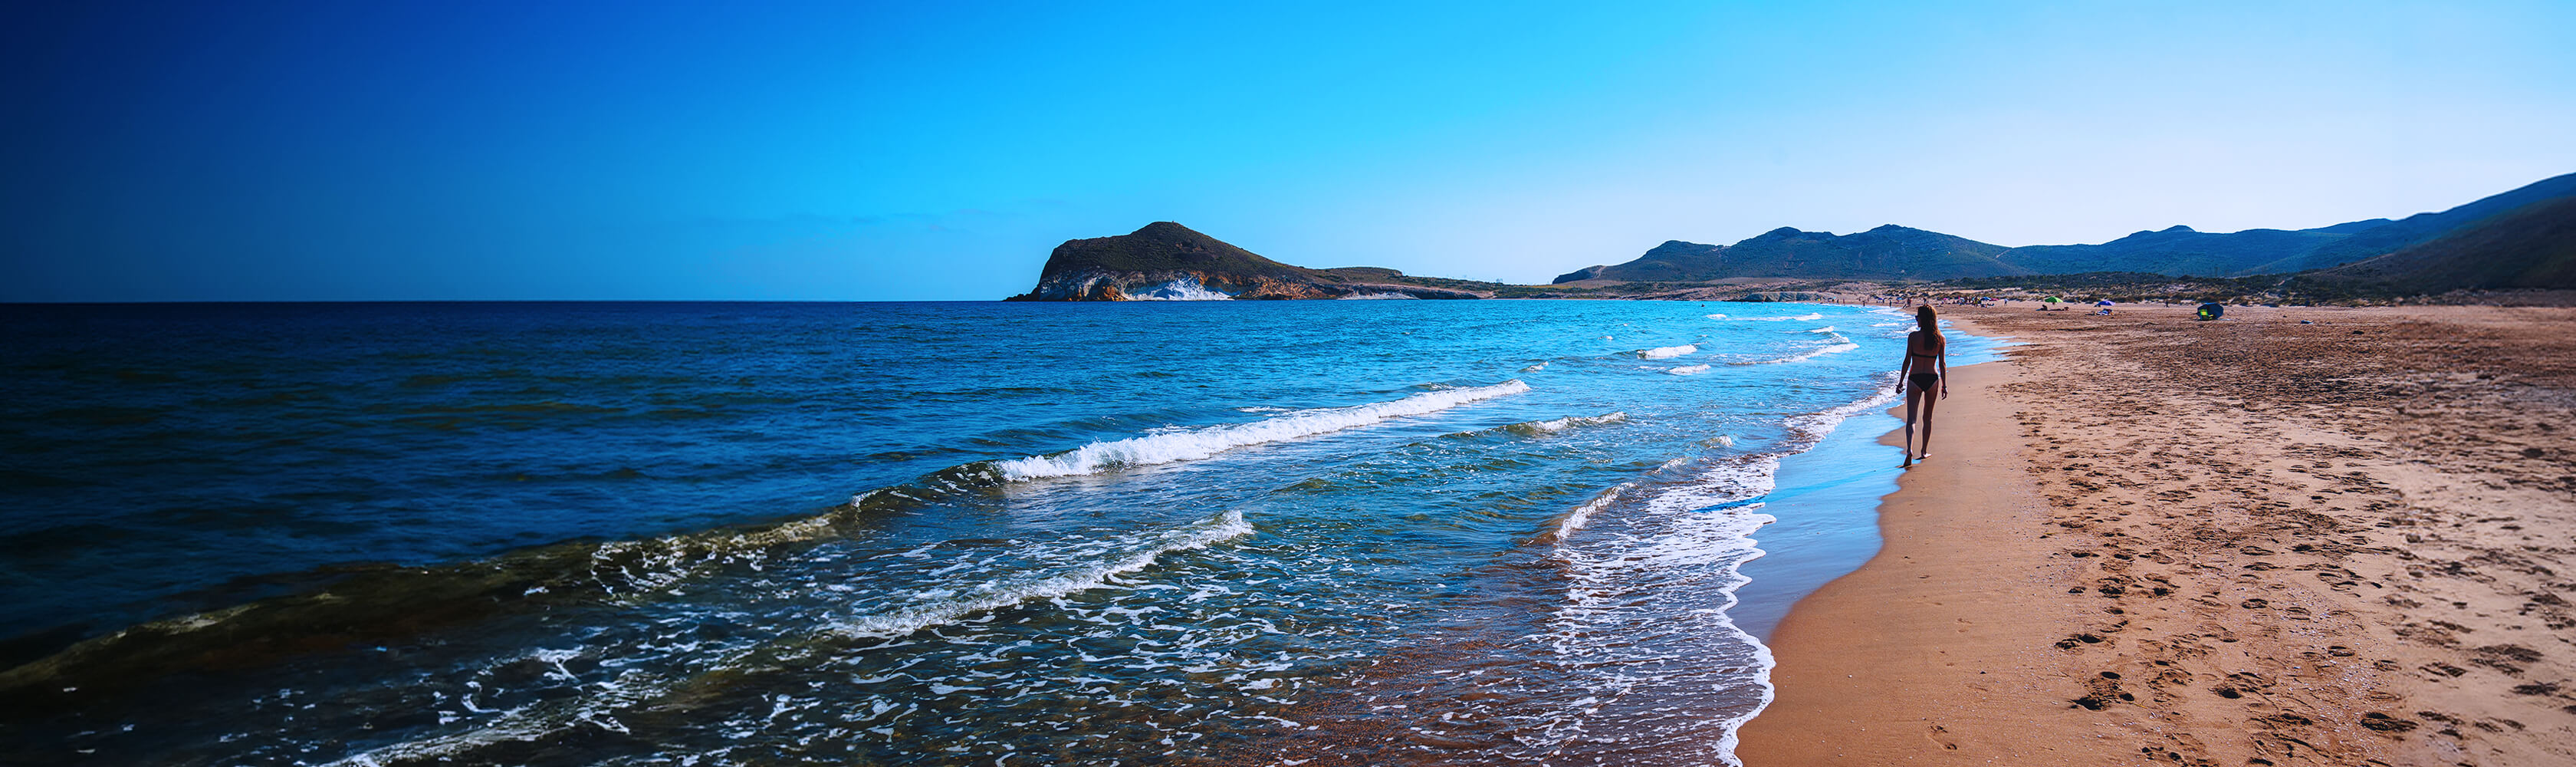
<point>2148,540</point>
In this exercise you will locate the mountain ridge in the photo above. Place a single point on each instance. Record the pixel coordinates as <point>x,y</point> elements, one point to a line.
<point>2174,251</point>
<point>2518,238</point>
<point>2533,246</point>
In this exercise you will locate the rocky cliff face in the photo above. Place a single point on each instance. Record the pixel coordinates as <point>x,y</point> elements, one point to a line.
<point>1168,262</point>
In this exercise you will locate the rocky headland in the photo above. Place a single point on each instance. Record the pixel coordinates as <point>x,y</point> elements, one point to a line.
<point>1165,261</point>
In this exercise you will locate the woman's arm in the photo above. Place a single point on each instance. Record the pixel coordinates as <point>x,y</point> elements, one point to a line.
<point>1906,365</point>
<point>1945,368</point>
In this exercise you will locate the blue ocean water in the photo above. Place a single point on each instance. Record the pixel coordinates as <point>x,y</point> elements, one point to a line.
<point>935,533</point>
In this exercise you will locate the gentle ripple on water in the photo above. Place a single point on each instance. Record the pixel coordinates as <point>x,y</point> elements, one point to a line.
<point>1365,532</point>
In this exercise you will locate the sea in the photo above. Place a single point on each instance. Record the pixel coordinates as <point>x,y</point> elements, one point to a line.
<point>1141,533</point>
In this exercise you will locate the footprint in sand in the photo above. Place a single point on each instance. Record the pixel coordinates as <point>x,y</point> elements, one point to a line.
<point>2100,691</point>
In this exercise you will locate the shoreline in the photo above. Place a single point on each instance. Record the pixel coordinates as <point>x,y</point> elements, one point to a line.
<point>1825,505</point>
<point>2297,536</point>
<point>1841,696</point>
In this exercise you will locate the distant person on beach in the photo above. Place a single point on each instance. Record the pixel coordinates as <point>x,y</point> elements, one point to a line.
<point>1926,367</point>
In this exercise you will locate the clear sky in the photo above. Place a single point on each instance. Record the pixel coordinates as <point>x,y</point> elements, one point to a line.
<point>333,150</point>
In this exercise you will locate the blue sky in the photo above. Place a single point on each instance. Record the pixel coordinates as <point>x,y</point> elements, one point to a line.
<point>936,151</point>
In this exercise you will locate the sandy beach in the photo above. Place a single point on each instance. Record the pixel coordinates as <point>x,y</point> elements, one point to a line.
<point>2294,536</point>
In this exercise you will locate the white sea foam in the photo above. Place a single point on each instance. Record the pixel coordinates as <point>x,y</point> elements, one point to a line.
<point>1535,368</point>
<point>1667,352</point>
<point>1380,297</point>
<point>1800,318</point>
<point>1688,370</point>
<point>1653,566</point>
<point>1825,329</point>
<point>1196,443</point>
<point>1179,289</point>
<point>1817,425</point>
<point>992,595</point>
<point>601,702</point>
<point>1717,316</point>
<point>1560,424</point>
<point>1844,345</point>
<point>1668,559</point>
<point>525,723</point>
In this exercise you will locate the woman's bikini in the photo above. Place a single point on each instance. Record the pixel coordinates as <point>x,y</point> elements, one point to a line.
<point>1923,361</point>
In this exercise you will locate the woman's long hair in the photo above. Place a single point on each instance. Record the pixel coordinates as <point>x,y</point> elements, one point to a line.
<point>1924,317</point>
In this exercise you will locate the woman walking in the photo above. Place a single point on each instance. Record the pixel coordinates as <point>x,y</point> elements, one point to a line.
<point>1926,367</point>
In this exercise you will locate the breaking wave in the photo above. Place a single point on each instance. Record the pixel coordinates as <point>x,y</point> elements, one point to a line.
<point>1193,444</point>
<point>1806,355</point>
<point>1561,424</point>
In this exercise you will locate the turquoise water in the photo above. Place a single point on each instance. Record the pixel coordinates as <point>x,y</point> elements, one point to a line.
<point>1231,532</point>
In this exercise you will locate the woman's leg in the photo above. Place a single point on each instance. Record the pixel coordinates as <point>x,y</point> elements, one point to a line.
<point>1912,396</point>
<point>1930,399</point>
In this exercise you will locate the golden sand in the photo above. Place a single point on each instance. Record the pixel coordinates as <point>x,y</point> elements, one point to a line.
<point>2144,539</point>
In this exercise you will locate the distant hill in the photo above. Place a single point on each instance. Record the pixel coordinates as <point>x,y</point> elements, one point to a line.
<point>1165,261</point>
<point>2181,251</point>
<point>2421,227</point>
<point>1899,253</point>
<point>2533,246</point>
<point>2175,251</point>
<point>1888,252</point>
<point>1164,246</point>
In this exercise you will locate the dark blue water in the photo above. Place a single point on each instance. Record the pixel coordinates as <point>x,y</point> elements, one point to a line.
<point>911,533</point>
